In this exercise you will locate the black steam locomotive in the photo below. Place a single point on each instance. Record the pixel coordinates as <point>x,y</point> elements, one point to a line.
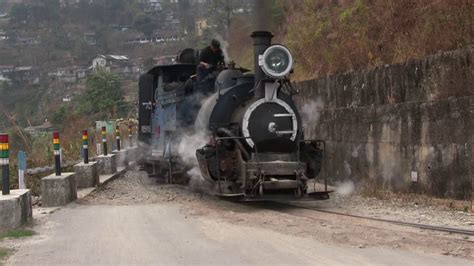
<point>256,148</point>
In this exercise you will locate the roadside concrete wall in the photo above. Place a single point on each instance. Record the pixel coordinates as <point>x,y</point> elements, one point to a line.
<point>383,124</point>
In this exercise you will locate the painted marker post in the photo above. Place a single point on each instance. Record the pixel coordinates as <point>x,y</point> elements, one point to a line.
<point>21,169</point>
<point>5,163</point>
<point>104,140</point>
<point>117,137</point>
<point>130,135</point>
<point>85,146</point>
<point>57,154</point>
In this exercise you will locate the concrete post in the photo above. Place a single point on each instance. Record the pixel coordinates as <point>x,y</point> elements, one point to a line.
<point>57,154</point>
<point>5,163</point>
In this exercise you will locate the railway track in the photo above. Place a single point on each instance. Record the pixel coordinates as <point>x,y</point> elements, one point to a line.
<point>415,225</point>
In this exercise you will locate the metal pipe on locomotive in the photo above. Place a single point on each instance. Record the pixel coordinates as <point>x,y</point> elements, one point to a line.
<point>257,149</point>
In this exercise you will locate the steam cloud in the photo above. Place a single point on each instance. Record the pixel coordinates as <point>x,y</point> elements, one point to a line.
<point>188,145</point>
<point>261,15</point>
<point>310,114</point>
<point>345,188</point>
<point>224,48</point>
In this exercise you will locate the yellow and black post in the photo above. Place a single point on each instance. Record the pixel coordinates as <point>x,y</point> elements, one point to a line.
<point>85,146</point>
<point>117,137</point>
<point>5,163</point>
<point>104,140</point>
<point>57,154</point>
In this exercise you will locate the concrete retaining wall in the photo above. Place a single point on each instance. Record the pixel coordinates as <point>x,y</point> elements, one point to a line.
<point>389,124</point>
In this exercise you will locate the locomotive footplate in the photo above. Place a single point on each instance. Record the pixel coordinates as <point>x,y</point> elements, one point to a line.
<point>277,168</point>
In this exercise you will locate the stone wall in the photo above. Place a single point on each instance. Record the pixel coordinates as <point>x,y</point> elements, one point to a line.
<point>386,125</point>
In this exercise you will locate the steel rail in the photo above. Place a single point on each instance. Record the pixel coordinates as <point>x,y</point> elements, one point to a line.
<point>415,225</point>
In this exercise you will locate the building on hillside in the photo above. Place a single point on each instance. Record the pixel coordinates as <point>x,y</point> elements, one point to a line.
<point>150,6</point>
<point>6,69</point>
<point>201,26</point>
<point>23,74</point>
<point>68,74</point>
<point>38,130</point>
<point>118,64</point>
<point>28,41</point>
<point>4,78</point>
<point>90,38</point>
<point>3,35</point>
<point>73,3</point>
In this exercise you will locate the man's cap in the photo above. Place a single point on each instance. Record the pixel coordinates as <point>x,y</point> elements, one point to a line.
<point>215,43</point>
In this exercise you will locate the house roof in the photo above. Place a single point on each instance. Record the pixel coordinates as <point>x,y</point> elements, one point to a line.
<point>114,57</point>
<point>23,68</point>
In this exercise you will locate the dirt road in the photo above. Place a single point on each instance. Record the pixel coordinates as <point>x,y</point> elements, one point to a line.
<point>132,221</point>
<point>160,234</point>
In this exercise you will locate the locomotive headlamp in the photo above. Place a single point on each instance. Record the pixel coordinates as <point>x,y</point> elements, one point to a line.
<point>276,61</point>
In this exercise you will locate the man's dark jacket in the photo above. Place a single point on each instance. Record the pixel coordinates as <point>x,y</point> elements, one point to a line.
<point>209,56</point>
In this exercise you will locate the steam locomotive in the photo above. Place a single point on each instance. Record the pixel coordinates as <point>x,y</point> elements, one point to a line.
<point>256,148</point>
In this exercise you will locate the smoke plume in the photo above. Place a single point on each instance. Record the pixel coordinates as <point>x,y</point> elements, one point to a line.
<point>261,15</point>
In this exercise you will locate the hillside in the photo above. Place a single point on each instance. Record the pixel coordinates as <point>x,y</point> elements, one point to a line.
<point>328,37</point>
<point>359,34</point>
<point>47,47</point>
<point>325,37</point>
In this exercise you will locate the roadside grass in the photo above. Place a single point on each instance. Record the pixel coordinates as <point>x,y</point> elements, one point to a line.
<point>4,253</point>
<point>20,233</point>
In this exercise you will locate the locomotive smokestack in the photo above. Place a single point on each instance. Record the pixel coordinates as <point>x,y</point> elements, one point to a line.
<point>261,41</point>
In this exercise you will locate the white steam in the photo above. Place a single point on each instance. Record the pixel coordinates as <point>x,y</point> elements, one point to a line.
<point>310,114</point>
<point>189,143</point>
<point>224,47</point>
<point>345,188</point>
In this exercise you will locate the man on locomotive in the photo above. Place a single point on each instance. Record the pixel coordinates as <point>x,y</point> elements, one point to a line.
<point>209,58</point>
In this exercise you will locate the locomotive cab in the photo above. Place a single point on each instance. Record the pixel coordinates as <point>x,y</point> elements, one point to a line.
<point>169,100</point>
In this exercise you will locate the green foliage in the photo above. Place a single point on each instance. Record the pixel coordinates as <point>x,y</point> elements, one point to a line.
<point>37,11</point>
<point>4,253</point>
<point>103,95</point>
<point>59,117</point>
<point>20,233</point>
<point>19,12</point>
<point>149,63</point>
<point>144,23</point>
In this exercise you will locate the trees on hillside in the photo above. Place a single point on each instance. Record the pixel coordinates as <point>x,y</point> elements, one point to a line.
<point>103,97</point>
<point>37,12</point>
<point>144,23</point>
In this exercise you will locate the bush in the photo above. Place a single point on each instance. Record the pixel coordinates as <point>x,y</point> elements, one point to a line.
<point>103,96</point>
